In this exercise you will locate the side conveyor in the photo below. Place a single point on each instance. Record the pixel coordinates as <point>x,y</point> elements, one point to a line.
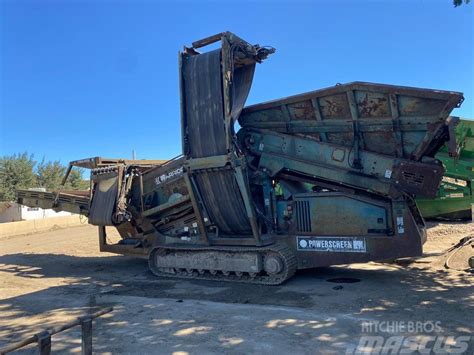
<point>70,201</point>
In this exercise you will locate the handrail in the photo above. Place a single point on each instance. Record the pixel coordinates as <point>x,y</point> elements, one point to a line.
<point>44,338</point>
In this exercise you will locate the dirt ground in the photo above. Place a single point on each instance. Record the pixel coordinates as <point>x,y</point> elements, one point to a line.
<point>50,278</point>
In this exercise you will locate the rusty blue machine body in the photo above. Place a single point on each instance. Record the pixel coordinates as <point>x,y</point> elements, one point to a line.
<point>321,178</point>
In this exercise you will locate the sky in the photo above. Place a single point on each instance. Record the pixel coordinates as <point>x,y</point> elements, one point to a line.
<point>100,78</point>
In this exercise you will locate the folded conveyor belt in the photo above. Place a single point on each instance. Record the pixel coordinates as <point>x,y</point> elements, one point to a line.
<point>206,127</point>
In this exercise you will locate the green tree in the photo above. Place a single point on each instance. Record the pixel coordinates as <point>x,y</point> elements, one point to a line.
<point>16,172</point>
<point>50,174</point>
<point>75,180</point>
<point>457,3</point>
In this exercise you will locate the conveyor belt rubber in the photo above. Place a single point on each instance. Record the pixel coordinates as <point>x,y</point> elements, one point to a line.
<point>103,202</point>
<point>205,126</point>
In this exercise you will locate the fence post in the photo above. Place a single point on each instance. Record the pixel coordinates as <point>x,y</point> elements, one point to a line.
<point>44,343</point>
<point>86,325</point>
<point>43,339</point>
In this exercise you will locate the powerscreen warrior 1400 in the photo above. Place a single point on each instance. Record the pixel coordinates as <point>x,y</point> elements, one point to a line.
<point>321,178</point>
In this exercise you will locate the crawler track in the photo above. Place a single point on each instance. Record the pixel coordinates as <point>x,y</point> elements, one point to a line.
<point>286,255</point>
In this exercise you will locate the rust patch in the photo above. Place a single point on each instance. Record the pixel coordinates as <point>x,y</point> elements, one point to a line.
<point>302,110</point>
<point>335,106</point>
<point>372,105</point>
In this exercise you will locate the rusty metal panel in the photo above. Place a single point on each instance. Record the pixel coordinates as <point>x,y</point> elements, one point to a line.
<point>418,178</point>
<point>302,110</point>
<point>372,104</point>
<point>419,106</point>
<point>335,107</point>
<point>387,119</point>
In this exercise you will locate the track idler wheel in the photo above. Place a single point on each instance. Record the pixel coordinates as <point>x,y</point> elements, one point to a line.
<point>273,264</point>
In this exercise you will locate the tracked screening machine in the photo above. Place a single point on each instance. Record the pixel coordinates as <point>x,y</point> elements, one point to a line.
<point>321,178</point>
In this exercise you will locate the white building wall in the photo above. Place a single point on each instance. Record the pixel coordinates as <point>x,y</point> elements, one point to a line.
<point>28,213</point>
<point>12,212</point>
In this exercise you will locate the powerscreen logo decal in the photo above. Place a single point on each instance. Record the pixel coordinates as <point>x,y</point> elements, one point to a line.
<point>332,244</point>
<point>162,178</point>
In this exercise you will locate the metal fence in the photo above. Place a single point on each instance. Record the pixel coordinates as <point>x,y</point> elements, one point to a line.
<point>43,339</point>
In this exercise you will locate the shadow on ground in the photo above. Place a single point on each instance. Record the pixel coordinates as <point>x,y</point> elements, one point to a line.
<point>175,313</point>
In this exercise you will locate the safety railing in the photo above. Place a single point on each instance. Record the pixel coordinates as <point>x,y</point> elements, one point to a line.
<point>43,339</point>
